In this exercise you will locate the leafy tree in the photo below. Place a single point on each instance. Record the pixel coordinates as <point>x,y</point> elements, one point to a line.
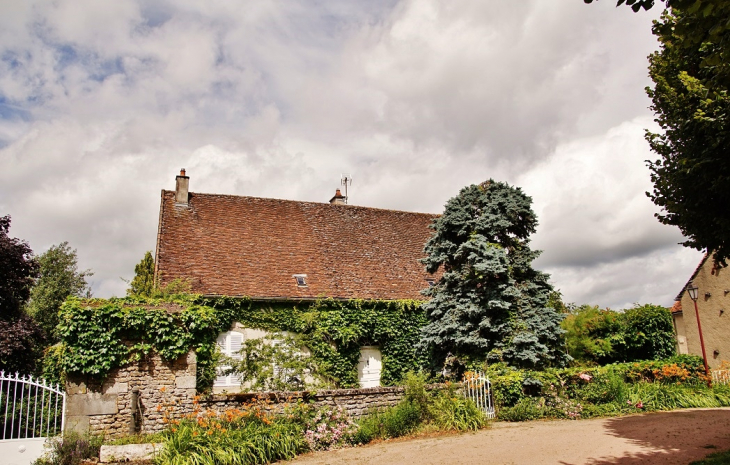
<point>143,283</point>
<point>647,334</point>
<point>692,175</point>
<point>601,336</point>
<point>490,304</point>
<point>21,344</point>
<point>691,73</point>
<point>18,270</point>
<point>59,278</point>
<point>20,338</point>
<point>591,334</point>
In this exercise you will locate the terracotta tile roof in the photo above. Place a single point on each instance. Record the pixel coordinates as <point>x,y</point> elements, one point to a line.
<point>677,307</point>
<point>249,246</point>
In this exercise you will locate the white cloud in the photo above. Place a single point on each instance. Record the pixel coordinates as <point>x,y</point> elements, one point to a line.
<point>100,106</point>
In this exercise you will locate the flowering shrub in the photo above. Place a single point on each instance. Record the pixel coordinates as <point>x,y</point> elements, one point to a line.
<point>329,429</point>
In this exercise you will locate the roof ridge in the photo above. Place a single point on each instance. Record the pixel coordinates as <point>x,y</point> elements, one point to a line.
<point>305,201</point>
<point>694,275</point>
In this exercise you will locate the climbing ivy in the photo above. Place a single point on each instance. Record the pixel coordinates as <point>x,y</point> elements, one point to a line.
<point>100,335</point>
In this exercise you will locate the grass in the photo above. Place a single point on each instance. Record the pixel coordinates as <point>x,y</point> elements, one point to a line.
<point>718,458</point>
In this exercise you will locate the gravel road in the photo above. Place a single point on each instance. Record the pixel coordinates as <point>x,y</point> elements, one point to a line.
<point>677,437</point>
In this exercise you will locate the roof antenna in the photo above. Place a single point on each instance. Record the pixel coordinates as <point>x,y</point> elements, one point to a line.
<point>346,180</point>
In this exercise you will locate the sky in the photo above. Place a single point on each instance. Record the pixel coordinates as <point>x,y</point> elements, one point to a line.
<point>102,103</point>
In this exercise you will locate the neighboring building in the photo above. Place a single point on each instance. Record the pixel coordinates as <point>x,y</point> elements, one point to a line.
<point>291,251</point>
<point>713,305</point>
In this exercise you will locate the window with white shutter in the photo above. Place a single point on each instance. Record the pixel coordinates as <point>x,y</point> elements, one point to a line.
<point>229,343</point>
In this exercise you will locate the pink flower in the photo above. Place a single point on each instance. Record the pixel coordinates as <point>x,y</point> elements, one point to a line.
<point>585,376</point>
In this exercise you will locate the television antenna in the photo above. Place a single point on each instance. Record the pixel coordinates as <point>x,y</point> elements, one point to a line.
<point>346,180</point>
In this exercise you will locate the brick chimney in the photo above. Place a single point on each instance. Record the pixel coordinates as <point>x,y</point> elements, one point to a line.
<point>338,199</point>
<point>182,183</point>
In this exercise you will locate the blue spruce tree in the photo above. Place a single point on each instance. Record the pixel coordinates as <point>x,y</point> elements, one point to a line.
<point>490,304</point>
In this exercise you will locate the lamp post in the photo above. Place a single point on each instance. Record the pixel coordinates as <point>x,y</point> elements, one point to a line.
<point>692,290</point>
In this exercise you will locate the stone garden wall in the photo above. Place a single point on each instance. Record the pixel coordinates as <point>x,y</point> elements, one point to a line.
<point>356,402</point>
<point>106,408</point>
<point>168,390</point>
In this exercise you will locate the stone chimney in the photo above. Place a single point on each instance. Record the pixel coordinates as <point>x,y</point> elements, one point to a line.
<point>338,199</point>
<point>182,183</point>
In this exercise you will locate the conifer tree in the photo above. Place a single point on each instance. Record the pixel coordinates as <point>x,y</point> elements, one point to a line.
<point>143,283</point>
<point>490,304</point>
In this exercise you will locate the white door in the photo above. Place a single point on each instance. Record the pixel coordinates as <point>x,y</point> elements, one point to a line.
<point>370,366</point>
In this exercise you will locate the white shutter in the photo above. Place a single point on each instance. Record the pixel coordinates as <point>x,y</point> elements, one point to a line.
<point>229,343</point>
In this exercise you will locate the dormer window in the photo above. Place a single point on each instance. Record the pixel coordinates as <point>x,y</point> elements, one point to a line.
<point>301,280</point>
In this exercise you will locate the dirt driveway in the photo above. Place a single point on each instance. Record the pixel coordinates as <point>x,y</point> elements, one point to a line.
<point>677,437</point>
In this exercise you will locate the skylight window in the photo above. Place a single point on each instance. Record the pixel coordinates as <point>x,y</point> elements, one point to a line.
<point>430,282</point>
<point>301,280</point>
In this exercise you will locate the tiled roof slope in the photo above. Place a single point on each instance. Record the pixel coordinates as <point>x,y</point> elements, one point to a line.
<point>248,246</point>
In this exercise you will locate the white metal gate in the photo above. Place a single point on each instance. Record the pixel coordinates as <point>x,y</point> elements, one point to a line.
<point>478,388</point>
<point>32,410</point>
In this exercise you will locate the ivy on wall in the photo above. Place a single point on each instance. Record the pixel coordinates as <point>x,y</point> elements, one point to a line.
<point>102,334</point>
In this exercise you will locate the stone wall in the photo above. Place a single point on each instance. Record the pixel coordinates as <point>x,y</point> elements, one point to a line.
<point>106,408</point>
<point>356,402</point>
<point>168,390</point>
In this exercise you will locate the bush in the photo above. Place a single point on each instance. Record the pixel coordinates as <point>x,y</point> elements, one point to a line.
<point>452,411</point>
<point>392,422</point>
<point>71,449</point>
<point>329,429</point>
<point>525,409</point>
<point>605,388</point>
<point>506,382</point>
<point>603,336</point>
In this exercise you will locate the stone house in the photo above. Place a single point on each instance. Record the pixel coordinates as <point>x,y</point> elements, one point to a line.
<point>289,251</point>
<point>713,305</point>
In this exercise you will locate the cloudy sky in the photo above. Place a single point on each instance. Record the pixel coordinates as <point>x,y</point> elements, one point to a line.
<point>101,104</point>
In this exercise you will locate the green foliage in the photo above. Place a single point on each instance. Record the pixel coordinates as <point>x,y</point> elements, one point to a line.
<point>71,449</point>
<point>524,410</point>
<point>330,428</point>
<point>589,333</point>
<point>21,345</point>
<point>21,340</point>
<point>490,304</point>
<point>691,74</point>
<point>52,364</point>
<point>143,283</point>
<point>275,362</point>
<point>717,458</point>
<point>584,392</point>
<point>18,270</point>
<point>59,278</point>
<point>252,436</point>
<point>104,334</point>
<point>392,422</point>
<point>604,336</point>
<point>690,99</point>
<point>452,411</point>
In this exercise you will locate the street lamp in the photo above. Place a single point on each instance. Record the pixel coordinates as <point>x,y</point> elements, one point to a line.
<point>692,291</point>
